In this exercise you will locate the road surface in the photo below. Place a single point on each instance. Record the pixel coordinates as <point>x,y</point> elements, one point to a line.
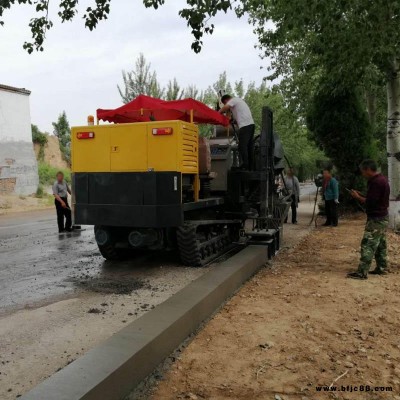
<point>38,266</point>
<point>59,297</point>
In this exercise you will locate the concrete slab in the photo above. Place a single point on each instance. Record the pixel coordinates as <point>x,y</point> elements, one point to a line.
<point>111,370</point>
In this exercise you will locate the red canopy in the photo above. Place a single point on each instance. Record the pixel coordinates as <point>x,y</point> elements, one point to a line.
<point>146,108</point>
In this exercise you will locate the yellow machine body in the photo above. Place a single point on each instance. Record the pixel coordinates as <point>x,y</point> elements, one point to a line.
<point>135,148</point>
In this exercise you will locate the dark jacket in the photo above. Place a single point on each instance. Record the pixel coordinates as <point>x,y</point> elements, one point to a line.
<point>377,200</point>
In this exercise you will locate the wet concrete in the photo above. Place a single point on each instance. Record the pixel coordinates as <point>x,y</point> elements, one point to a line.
<point>38,266</point>
<point>112,369</point>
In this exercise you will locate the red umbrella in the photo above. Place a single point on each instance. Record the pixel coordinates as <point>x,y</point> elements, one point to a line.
<point>146,108</point>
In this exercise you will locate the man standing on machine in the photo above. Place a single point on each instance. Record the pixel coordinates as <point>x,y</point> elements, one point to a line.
<point>242,114</point>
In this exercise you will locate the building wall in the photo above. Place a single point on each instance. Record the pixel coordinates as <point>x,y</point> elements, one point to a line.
<point>18,166</point>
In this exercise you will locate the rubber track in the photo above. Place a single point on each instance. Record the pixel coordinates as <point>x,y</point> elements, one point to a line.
<point>109,252</point>
<point>190,247</point>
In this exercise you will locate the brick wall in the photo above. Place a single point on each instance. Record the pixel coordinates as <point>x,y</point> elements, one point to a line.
<point>7,185</point>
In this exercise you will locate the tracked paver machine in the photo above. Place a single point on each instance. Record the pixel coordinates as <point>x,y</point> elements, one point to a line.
<point>149,182</point>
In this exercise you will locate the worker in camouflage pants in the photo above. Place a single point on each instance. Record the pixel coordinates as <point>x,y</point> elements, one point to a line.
<point>373,244</point>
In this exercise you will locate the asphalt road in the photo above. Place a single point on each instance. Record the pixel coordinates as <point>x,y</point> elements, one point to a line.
<point>38,266</point>
<point>35,262</point>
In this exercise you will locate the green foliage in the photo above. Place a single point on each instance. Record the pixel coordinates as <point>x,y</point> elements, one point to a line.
<point>63,132</point>
<point>299,149</point>
<point>68,9</point>
<point>47,174</point>
<point>141,80</point>
<point>40,192</point>
<point>39,138</point>
<point>193,92</point>
<point>339,124</point>
<point>197,14</point>
<point>173,91</point>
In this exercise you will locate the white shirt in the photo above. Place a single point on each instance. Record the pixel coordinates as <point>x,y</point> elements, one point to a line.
<point>61,189</point>
<point>293,185</point>
<point>241,112</point>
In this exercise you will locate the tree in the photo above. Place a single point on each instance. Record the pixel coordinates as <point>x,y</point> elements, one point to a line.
<point>193,92</point>
<point>141,80</point>
<point>299,149</point>
<point>339,124</point>
<point>197,14</point>
<point>173,91</point>
<point>343,40</point>
<point>63,132</point>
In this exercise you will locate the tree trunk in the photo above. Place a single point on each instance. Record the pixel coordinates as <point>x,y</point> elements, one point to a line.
<point>371,107</point>
<point>393,143</point>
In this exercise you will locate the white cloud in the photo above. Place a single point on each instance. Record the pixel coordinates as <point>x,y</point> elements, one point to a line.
<point>79,70</point>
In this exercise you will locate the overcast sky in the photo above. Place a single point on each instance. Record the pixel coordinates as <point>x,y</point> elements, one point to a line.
<point>79,70</point>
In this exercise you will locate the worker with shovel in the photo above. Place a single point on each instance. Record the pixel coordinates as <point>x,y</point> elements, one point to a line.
<point>60,192</point>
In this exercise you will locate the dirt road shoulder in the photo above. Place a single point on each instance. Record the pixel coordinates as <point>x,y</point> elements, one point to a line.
<point>298,326</point>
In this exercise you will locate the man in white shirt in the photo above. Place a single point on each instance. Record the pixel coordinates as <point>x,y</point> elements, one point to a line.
<point>242,114</point>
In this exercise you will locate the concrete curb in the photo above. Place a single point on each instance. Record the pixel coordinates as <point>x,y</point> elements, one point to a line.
<point>112,369</point>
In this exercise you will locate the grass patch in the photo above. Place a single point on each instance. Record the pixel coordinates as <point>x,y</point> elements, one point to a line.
<point>47,174</point>
<point>40,192</point>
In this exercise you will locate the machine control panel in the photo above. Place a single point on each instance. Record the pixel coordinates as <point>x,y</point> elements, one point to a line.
<point>219,150</point>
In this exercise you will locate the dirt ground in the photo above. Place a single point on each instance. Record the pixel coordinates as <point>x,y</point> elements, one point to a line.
<point>13,203</point>
<point>52,153</point>
<point>298,326</point>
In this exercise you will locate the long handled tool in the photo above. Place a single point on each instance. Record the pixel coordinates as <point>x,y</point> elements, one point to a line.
<point>315,206</point>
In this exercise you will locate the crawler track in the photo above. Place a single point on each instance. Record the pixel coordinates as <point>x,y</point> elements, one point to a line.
<point>201,242</point>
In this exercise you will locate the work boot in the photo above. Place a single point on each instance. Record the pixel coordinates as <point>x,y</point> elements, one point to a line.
<point>357,275</point>
<point>377,271</point>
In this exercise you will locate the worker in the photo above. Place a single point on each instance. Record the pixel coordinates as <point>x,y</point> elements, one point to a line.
<point>242,114</point>
<point>373,244</point>
<point>293,186</point>
<point>60,192</point>
<point>330,190</point>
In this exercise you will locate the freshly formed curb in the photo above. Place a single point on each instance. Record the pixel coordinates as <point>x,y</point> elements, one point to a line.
<point>112,369</point>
